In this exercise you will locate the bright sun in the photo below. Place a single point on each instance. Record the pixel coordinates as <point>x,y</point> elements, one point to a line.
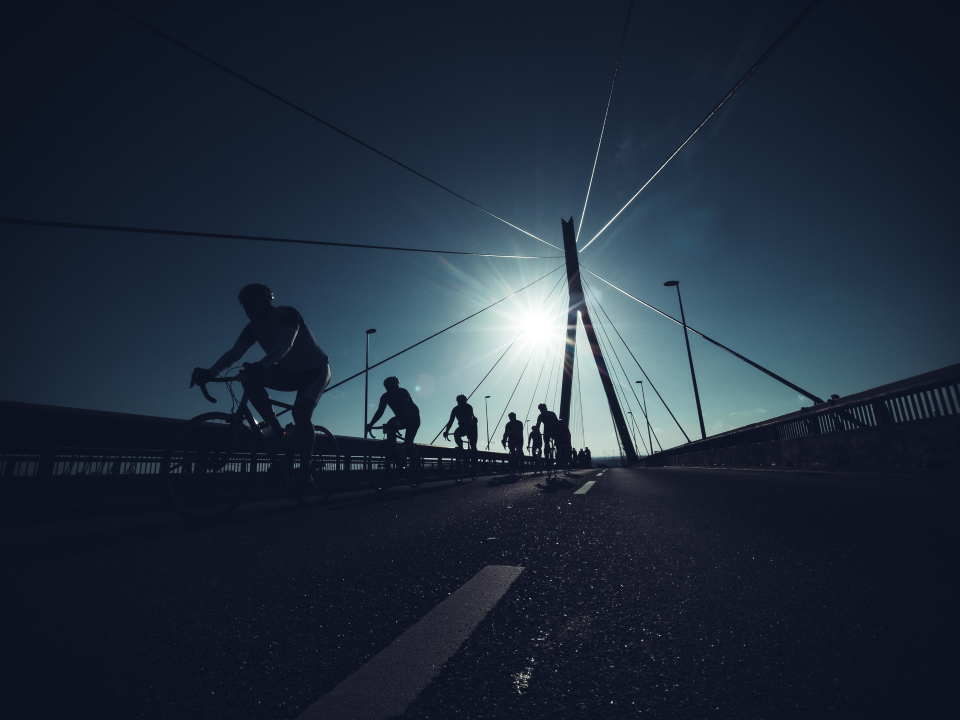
<point>537,328</point>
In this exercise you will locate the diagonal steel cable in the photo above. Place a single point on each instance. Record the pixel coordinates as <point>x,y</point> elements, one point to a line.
<point>616,69</point>
<point>356,375</point>
<point>257,238</point>
<point>711,340</point>
<point>310,115</point>
<point>610,343</point>
<point>783,36</point>
<point>552,290</point>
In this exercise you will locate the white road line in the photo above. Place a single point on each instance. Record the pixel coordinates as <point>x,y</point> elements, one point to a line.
<point>585,488</point>
<point>391,680</point>
<point>600,473</point>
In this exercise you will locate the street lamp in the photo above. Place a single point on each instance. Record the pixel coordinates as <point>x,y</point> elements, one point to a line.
<point>696,394</point>
<point>486,415</point>
<point>366,380</point>
<point>646,414</point>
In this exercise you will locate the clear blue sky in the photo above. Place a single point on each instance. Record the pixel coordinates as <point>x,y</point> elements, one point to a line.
<point>812,223</point>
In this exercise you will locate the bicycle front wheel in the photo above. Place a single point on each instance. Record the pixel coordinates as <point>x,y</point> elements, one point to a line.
<point>208,470</point>
<point>380,466</point>
<point>317,488</point>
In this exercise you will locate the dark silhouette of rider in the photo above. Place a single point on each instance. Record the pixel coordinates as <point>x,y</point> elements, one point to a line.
<point>466,423</point>
<point>513,434</point>
<point>406,414</point>
<point>294,362</point>
<point>550,423</point>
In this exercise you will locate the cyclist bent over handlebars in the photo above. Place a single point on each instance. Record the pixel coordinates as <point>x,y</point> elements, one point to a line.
<point>406,414</point>
<point>294,361</point>
<point>466,426</point>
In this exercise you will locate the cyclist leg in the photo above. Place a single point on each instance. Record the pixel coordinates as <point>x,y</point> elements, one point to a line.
<point>256,390</point>
<point>472,437</point>
<point>311,383</point>
<point>412,425</point>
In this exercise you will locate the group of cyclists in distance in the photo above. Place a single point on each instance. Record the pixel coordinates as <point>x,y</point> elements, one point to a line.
<point>295,362</point>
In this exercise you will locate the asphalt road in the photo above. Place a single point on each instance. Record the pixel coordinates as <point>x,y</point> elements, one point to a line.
<point>656,593</point>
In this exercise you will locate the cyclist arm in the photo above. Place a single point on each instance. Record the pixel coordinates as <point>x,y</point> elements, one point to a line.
<point>233,355</point>
<point>379,413</point>
<point>446,430</point>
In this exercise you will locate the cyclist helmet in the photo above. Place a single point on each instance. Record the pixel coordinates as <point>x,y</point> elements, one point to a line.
<point>542,406</point>
<point>512,415</point>
<point>391,382</point>
<point>461,398</point>
<point>254,293</point>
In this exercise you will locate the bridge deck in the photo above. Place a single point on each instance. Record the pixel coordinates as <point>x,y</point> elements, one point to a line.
<point>675,592</point>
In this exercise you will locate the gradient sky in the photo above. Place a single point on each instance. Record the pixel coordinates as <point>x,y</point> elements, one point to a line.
<point>812,223</point>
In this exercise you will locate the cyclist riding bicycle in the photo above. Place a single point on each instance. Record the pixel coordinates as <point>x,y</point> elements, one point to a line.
<point>550,422</point>
<point>466,425</point>
<point>293,362</point>
<point>513,434</point>
<point>406,414</point>
<point>535,446</point>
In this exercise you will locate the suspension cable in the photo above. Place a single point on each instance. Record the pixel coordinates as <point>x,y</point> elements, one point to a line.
<point>507,406</point>
<point>583,429</point>
<point>783,36</point>
<point>711,340</point>
<point>258,238</point>
<point>356,375</point>
<point>610,343</point>
<point>617,384</point>
<point>646,417</point>
<point>647,377</point>
<point>310,115</point>
<point>603,127</point>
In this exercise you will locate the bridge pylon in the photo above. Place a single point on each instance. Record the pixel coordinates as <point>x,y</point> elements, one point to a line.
<point>576,307</point>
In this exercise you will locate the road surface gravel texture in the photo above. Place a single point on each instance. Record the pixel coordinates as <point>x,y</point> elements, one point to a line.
<point>664,593</point>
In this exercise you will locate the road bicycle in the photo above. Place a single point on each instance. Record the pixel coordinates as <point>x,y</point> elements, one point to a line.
<point>209,469</point>
<point>387,463</point>
<point>464,468</point>
<point>536,456</point>
<point>515,461</point>
<point>550,466</point>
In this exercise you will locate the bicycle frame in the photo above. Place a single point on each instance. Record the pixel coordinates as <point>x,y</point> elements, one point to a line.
<point>243,413</point>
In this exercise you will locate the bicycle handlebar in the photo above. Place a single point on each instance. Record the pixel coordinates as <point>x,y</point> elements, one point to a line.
<point>203,386</point>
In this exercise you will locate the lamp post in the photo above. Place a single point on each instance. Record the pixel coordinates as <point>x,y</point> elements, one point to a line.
<point>486,415</point>
<point>366,380</point>
<point>646,414</point>
<point>696,393</point>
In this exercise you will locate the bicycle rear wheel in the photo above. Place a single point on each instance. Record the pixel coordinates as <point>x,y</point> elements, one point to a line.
<point>323,470</point>
<point>208,470</point>
<point>380,466</point>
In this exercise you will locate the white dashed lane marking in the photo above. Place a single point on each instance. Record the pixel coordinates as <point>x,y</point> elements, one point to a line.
<point>391,680</point>
<point>585,488</point>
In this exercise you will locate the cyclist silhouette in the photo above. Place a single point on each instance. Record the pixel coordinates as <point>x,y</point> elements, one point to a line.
<point>550,423</point>
<point>406,414</point>
<point>294,362</point>
<point>535,446</point>
<point>466,424</point>
<point>513,433</point>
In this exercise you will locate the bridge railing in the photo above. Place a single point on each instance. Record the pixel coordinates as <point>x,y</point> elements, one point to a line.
<point>924,397</point>
<point>55,477</point>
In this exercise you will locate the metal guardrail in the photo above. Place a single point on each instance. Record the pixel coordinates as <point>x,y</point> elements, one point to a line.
<point>932,395</point>
<point>56,477</point>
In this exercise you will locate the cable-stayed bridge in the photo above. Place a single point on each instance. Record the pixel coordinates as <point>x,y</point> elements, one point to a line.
<point>796,567</point>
